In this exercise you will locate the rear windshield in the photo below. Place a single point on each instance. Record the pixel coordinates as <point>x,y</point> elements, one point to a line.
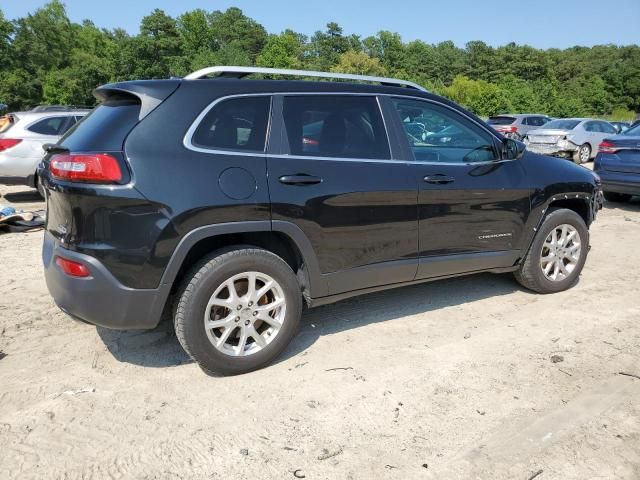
<point>501,120</point>
<point>562,124</point>
<point>633,131</point>
<point>106,127</point>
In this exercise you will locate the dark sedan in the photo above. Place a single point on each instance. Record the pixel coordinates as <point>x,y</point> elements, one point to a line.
<point>618,164</point>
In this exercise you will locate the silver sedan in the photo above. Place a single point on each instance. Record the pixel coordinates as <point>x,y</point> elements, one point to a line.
<point>573,138</point>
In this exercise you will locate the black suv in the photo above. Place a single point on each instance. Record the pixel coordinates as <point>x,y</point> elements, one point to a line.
<point>236,201</point>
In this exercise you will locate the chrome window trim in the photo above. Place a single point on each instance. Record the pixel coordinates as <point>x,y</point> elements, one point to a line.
<point>187,139</point>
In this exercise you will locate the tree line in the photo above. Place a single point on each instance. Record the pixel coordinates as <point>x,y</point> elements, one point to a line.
<point>47,59</point>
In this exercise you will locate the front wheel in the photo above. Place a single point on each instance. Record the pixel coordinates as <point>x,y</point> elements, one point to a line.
<point>238,310</point>
<point>583,154</point>
<point>557,255</point>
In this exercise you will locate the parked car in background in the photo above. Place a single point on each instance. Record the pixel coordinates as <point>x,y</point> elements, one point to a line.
<point>22,138</point>
<point>517,125</point>
<point>243,199</point>
<point>618,164</point>
<point>572,138</point>
<point>621,127</point>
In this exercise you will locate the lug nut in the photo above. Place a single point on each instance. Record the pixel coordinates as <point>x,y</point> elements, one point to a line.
<point>255,314</point>
<point>247,322</point>
<point>239,307</point>
<point>250,303</point>
<point>237,319</point>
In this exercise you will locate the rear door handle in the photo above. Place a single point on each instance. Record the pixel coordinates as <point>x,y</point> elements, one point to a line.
<point>439,179</point>
<point>300,179</point>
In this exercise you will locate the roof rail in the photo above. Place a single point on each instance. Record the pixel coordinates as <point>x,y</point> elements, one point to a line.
<point>239,72</point>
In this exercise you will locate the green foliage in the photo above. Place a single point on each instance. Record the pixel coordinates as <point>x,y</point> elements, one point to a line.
<point>44,57</point>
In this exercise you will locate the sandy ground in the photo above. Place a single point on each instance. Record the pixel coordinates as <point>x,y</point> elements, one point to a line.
<point>452,379</point>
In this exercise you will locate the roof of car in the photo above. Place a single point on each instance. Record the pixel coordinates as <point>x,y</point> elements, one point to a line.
<point>519,115</point>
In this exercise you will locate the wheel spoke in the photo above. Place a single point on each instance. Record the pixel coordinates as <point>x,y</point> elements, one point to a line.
<point>233,293</point>
<point>223,322</point>
<point>271,306</point>
<point>263,290</point>
<point>242,341</point>
<point>224,336</point>
<point>251,286</point>
<point>265,317</point>
<point>259,339</point>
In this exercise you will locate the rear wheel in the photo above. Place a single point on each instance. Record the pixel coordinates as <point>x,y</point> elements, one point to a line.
<point>238,310</point>
<point>617,197</point>
<point>583,154</point>
<point>557,254</point>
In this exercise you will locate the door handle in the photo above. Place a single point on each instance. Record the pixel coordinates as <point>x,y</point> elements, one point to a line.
<point>300,179</point>
<point>439,179</point>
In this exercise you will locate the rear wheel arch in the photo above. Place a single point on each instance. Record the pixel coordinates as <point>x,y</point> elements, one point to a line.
<point>282,240</point>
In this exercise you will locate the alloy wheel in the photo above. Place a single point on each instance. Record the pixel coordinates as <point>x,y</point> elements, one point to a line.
<point>560,252</point>
<point>245,314</point>
<point>585,152</point>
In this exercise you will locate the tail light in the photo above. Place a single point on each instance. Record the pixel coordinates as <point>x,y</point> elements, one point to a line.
<point>7,143</point>
<point>73,269</point>
<point>607,147</point>
<point>507,129</point>
<point>88,168</point>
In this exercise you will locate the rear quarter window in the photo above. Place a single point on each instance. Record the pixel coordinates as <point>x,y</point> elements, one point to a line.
<point>106,127</point>
<point>48,126</point>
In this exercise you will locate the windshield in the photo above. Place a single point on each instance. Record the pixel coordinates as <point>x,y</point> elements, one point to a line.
<point>561,124</point>
<point>502,120</point>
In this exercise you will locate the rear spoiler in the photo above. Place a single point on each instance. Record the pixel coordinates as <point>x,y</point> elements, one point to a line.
<point>150,93</point>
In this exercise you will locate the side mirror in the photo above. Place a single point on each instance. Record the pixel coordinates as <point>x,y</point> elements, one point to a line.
<point>512,149</point>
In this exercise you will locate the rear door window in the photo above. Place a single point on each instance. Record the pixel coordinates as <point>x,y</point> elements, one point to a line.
<point>235,124</point>
<point>337,126</point>
<point>49,126</point>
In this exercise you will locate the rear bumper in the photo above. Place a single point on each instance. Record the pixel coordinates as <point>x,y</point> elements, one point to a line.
<point>620,182</point>
<point>99,299</point>
<point>550,149</point>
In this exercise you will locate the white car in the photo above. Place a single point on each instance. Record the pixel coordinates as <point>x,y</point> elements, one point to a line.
<point>22,138</point>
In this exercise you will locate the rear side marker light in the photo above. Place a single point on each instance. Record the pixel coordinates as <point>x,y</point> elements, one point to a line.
<point>89,168</point>
<point>507,129</point>
<point>7,143</point>
<point>607,147</point>
<point>73,269</point>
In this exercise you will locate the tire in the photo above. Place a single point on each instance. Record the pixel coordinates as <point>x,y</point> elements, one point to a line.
<point>531,274</point>
<point>210,275</point>
<point>583,154</point>
<point>617,197</point>
<point>40,187</point>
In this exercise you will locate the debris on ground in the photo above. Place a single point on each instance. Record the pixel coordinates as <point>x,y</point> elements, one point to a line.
<point>298,474</point>
<point>2,355</point>
<point>338,368</point>
<point>244,451</point>
<point>629,375</point>
<point>536,474</point>
<point>75,392</point>
<point>557,358</point>
<point>326,454</point>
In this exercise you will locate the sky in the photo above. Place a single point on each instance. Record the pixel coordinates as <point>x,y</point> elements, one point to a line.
<point>539,23</point>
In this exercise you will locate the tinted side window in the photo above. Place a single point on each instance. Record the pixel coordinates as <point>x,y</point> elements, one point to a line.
<point>48,126</point>
<point>590,127</point>
<point>537,121</point>
<point>338,126</point>
<point>235,124</point>
<point>607,128</point>
<point>438,134</point>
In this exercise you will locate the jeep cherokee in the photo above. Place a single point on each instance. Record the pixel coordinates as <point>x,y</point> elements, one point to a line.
<point>232,202</point>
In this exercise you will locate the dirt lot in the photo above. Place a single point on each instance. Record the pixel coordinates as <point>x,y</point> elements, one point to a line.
<point>452,379</point>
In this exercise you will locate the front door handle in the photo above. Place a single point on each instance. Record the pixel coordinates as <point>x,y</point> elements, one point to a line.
<point>300,179</point>
<point>439,179</point>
